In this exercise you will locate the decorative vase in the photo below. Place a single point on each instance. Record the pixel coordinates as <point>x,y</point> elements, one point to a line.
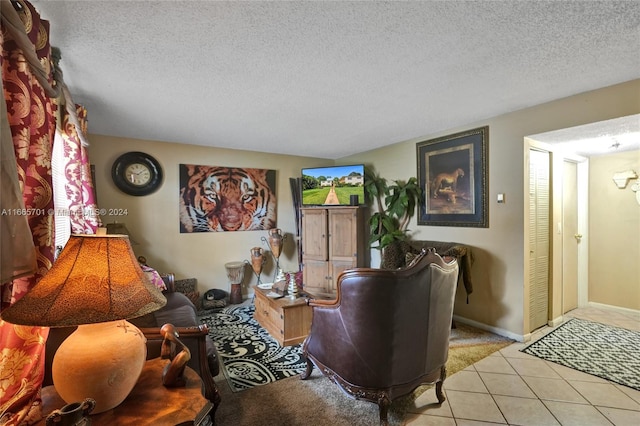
<point>276,240</point>
<point>257,261</point>
<point>74,414</point>
<point>103,360</point>
<point>235,274</point>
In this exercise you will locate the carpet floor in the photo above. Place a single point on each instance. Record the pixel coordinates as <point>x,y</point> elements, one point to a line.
<point>290,401</point>
<point>612,353</point>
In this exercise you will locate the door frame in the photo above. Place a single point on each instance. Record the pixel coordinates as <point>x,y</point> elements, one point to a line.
<point>555,270</point>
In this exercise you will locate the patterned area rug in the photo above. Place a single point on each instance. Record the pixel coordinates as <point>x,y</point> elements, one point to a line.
<point>611,353</point>
<point>250,356</point>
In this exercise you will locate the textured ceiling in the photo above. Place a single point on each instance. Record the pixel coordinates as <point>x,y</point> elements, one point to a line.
<point>329,79</point>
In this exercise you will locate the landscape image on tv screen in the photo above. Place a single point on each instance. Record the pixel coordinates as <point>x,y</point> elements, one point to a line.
<point>332,185</point>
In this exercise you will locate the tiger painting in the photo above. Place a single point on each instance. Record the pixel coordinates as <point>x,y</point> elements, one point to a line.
<point>218,199</point>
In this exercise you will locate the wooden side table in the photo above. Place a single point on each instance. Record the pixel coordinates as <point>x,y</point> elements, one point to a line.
<point>287,320</point>
<point>149,403</point>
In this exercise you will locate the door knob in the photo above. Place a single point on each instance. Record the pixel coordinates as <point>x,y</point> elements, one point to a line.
<point>578,237</point>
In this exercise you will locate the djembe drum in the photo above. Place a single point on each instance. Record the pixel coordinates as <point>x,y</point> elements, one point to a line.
<point>235,274</point>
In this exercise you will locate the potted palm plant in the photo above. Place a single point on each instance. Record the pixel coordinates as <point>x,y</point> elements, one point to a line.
<point>396,205</point>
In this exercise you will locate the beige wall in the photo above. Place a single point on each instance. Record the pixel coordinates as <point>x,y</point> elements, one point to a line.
<point>614,233</point>
<point>153,220</point>
<point>500,296</point>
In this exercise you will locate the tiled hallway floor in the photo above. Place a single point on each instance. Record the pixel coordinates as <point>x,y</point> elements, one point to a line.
<point>510,387</point>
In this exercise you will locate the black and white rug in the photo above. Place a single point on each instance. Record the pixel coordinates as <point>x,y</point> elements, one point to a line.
<point>611,353</point>
<point>250,356</point>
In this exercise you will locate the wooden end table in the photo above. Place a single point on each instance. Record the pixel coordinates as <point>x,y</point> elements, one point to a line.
<point>149,403</point>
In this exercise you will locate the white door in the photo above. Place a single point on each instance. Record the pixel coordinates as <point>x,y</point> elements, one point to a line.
<point>570,236</point>
<point>539,249</point>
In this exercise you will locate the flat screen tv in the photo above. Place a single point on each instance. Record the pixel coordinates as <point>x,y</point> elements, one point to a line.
<point>333,186</point>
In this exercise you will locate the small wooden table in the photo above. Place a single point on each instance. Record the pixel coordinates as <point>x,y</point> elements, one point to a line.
<point>149,403</point>
<point>287,320</point>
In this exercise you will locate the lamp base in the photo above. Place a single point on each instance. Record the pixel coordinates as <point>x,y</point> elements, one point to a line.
<point>100,361</point>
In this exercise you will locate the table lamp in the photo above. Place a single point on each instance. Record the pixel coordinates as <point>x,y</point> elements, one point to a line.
<point>96,284</point>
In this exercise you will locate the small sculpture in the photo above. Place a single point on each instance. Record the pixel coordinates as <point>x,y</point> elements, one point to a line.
<point>73,414</point>
<point>293,286</point>
<point>174,350</point>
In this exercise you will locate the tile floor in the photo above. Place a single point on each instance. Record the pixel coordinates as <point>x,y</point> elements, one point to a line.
<point>510,387</point>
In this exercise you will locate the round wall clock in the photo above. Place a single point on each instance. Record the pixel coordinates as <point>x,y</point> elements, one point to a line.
<point>136,173</point>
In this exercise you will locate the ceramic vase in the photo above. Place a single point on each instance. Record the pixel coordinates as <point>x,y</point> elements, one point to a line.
<point>103,360</point>
<point>257,261</point>
<point>275,241</point>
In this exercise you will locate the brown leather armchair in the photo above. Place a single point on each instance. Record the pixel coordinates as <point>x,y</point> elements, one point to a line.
<point>387,332</point>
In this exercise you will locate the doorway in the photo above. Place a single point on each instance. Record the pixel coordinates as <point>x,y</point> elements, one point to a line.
<point>571,236</point>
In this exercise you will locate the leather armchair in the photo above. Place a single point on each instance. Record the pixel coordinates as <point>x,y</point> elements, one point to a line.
<point>387,332</point>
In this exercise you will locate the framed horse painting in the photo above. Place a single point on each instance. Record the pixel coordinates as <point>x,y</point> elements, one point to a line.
<point>452,172</point>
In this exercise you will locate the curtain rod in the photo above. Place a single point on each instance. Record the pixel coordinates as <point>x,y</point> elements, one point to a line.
<point>17,31</point>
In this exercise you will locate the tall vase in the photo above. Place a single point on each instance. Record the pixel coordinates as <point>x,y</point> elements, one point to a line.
<point>276,240</point>
<point>257,261</point>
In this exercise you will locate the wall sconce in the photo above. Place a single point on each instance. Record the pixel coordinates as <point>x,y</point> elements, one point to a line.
<point>622,178</point>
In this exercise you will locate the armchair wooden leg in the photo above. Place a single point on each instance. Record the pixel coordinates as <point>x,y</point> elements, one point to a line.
<point>439,394</point>
<point>307,372</point>
<point>383,406</point>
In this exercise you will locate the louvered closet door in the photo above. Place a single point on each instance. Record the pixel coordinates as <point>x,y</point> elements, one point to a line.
<point>539,220</point>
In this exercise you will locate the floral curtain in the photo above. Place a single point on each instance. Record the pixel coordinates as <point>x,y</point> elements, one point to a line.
<point>28,91</point>
<point>78,182</point>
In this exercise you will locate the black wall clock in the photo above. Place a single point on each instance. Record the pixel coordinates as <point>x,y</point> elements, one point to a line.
<point>136,173</point>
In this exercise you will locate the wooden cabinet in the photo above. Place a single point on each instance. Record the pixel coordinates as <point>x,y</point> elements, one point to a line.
<point>333,240</point>
<point>287,320</point>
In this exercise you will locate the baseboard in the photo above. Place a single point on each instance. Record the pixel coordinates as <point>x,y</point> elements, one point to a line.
<point>555,322</point>
<point>495,330</point>
<point>614,308</point>
<point>527,337</point>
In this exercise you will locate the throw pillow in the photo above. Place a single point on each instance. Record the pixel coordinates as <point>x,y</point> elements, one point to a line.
<point>154,277</point>
<point>189,287</point>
